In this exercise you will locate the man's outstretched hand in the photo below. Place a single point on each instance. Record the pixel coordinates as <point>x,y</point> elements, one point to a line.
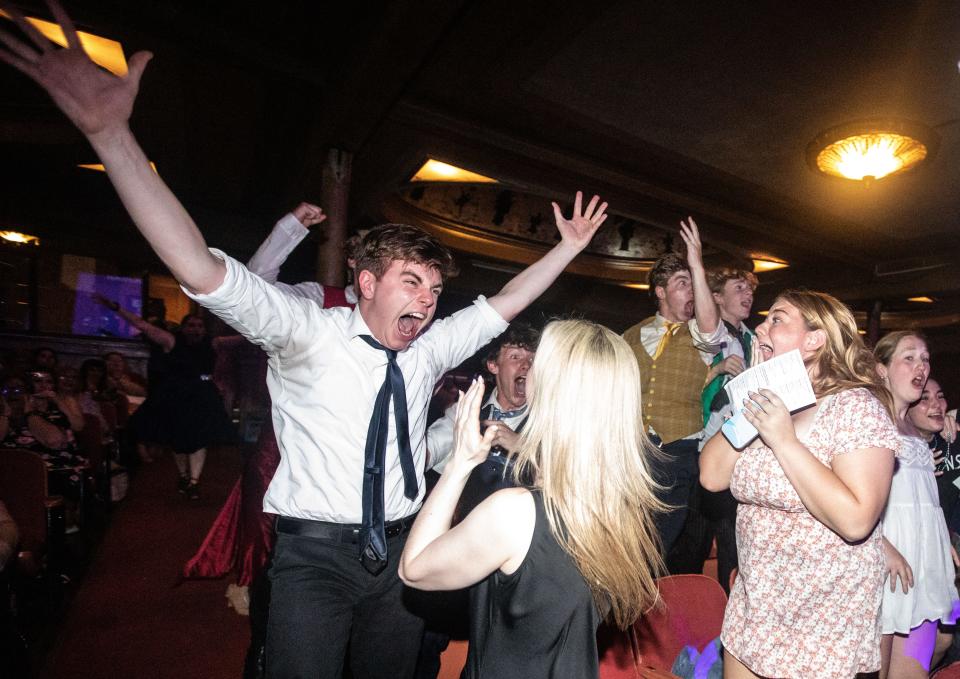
<point>96,101</point>
<point>579,229</point>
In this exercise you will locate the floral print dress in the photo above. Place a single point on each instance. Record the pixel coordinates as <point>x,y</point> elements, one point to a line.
<point>806,603</point>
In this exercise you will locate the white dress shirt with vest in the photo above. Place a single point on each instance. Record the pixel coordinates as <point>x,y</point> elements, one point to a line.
<point>672,375</point>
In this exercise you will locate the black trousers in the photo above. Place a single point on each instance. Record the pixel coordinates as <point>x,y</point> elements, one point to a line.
<point>676,473</point>
<point>710,515</point>
<point>322,600</point>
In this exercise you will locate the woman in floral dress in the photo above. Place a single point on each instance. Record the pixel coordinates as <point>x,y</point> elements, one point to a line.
<point>812,488</point>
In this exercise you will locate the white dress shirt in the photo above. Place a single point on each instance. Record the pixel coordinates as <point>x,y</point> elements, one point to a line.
<point>707,345</point>
<point>286,235</point>
<point>440,433</point>
<point>728,346</point>
<point>323,381</point>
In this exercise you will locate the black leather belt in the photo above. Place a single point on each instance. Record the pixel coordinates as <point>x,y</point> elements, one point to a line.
<point>338,532</point>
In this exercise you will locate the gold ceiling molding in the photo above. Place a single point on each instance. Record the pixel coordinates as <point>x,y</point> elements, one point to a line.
<point>506,225</point>
<point>487,242</point>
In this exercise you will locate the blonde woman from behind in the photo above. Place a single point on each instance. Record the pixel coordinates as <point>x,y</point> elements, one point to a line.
<point>575,542</point>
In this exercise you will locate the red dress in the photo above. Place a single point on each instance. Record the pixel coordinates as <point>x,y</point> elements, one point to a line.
<point>241,537</point>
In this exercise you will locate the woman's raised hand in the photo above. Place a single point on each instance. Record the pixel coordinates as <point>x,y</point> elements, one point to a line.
<point>469,447</point>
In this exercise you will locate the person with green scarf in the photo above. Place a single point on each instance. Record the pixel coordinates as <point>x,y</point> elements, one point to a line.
<point>732,290</point>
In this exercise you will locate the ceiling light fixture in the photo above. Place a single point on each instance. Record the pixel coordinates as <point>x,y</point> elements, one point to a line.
<point>102,51</point>
<point>19,238</point>
<point>636,286</point>
<point>871,149</point>
<point>921,300</point>
<point>435,171</point>
<point>764,263</point>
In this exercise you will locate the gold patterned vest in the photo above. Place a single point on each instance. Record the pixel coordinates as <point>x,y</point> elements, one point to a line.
<point>670,386</point>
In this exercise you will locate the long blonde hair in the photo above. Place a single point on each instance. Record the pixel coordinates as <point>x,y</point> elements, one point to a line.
<point>844,361</point>
<point>584,446</point>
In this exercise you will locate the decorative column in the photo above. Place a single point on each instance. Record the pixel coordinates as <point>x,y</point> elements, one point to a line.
<point>334,196</point>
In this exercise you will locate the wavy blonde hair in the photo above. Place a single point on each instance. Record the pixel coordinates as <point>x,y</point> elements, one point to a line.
<point>844,361</point>
<point>584,446</point>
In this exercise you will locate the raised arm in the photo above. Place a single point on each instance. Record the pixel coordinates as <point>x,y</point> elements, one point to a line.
<point>575,235</point>
<point>286,235</point>
<point>494,536</point>
<point>705,309</point>
<point>100,105</point>
<point>159,336</point>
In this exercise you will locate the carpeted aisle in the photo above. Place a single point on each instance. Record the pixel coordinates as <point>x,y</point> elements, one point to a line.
<point>131,616</point>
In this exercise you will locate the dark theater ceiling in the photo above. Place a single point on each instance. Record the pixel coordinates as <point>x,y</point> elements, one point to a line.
<point>665,108</point>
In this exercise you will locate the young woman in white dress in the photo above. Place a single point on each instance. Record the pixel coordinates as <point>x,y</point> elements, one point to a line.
<point>916,541</point>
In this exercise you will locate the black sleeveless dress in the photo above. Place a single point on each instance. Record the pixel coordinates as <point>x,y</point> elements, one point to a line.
<point>538,622</point>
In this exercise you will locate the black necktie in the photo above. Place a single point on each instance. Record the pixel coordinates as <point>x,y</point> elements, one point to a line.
<point>373,540</point>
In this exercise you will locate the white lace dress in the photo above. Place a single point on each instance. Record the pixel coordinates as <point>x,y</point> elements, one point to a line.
<point>913,523</point>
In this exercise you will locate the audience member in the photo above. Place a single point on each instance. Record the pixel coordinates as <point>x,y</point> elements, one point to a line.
<point>14,657</point>
<point>811,489</point>
<point>123,380</point>
<point>554,558</point>
<point>9,536</point>
<point>183,409</point>
<point>507,360</point>
<point>732,290</point>
<point>57,407</point>
<point>916,540</point>
<point>68,381</point>
<point>40,420</point>
<point>44,360</point>
<point>325,367</point>
<point>95,395</point>
<point>242,536</point>
<point>674,353</point>
<point>929,417</point>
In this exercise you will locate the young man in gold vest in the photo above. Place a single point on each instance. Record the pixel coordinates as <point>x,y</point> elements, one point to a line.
<point>675,348</point>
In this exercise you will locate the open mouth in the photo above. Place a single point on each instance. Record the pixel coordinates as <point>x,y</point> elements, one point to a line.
<point>409,324</point>
<point>520,386</point>
<point>765,348</point>
<point>918,381</point>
